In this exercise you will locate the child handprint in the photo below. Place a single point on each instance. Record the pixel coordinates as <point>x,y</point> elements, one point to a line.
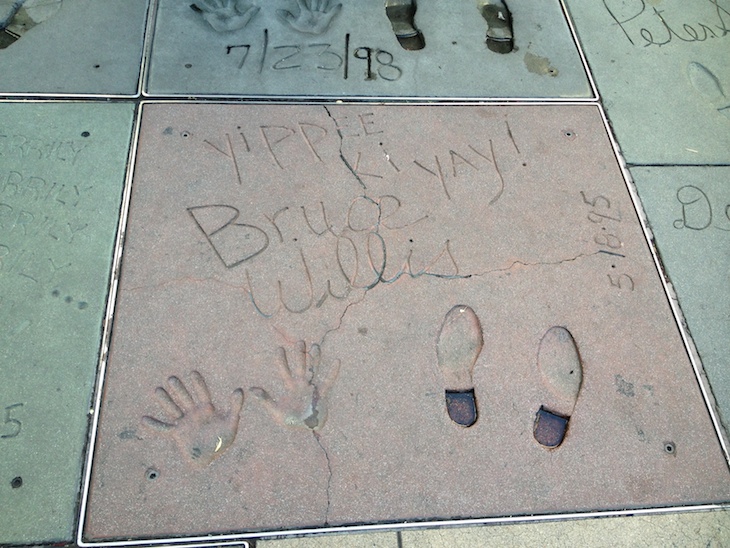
<point>314,16</point>
<point>304,404</point>
<point>226,15</point>
<point>201,432</point>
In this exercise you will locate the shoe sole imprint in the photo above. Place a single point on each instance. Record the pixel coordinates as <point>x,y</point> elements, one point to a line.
<point>499,25</point>
<point>561,371</point>
<point>401,15</point>
<point>459,344</point>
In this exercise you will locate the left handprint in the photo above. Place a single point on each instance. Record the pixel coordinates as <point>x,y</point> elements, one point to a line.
<point>226,15</point>
<point>201,432</point>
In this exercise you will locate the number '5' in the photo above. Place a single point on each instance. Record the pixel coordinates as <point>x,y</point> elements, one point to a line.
<point>15,424</point>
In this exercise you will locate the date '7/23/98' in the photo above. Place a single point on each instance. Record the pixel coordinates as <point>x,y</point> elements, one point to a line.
<point>366,62</point>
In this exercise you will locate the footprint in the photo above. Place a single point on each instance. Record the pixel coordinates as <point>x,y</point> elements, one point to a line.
<point>562,373</point>
<point>459,343</point>
<point>708,85</point>
<point>499,25</point>
<point>401,14</point>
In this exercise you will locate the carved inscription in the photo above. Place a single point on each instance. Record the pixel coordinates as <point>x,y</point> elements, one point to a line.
<point>11,426</point>
<point>645,24</point>
<point>698,213</point>
<point>13,145</point>
<point>330,250</point>
<point>608,219</point>
<point>34,207</point>
<point>364,62</point>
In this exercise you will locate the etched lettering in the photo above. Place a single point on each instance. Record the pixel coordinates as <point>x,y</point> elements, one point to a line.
<point>234,243</point>
<point>267,131</point>
<point>658,28</point>
<point>697,210</point>
<point>11,426</point>
<point>308,131</point>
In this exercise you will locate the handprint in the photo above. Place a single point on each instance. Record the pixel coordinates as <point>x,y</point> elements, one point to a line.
<point>201,432</point>
<point>304,404</point>
<point>314,16</point>
<point>226,15</point>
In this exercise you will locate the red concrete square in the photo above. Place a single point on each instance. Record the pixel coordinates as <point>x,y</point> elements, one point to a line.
<point>304,288</point>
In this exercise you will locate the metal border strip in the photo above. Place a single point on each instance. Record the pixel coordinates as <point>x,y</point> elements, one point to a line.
<point>690,347</point>
<point>239,539</point>
<point>108,319</point>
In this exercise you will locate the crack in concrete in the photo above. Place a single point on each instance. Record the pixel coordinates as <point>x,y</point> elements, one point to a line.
<point>342,156</point>
<point>412,275</point>
<point>539,263</point>
<point>342,317</point>
<point>329,477</point>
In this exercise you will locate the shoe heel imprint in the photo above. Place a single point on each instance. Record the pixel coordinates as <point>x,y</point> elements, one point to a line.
<point>499,26</point>
<point>401,14</point>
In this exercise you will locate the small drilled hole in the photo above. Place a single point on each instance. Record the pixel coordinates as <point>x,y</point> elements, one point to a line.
<point>188,65</point>
<point>85,134</point>
<point>152,474</point>
<point>16,482</point>
<point>670,448</point>
<point>185,134</point>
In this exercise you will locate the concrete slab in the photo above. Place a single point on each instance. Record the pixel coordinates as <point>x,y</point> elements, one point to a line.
<point>62,169</point>
<point>349,48</point>
<point>688,211</point>
<point>72,47</point>
<point>368,540</point>
<point>312,295</point>
<point>661,68</point>
<point>682,529</point>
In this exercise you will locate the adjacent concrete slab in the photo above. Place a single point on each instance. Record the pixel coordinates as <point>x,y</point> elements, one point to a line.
<point>317,49</point>
<point>369,540</point>
<point>311,297</point>
<point>685,529</point>
<point>688,209</point>
<point>72,47</point>
<point>62,169</point>
<point>661,68</point>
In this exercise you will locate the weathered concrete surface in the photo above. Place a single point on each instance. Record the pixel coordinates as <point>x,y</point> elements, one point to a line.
<point>661,69</point>
<point>356,229</point>
<point>270,56</point>
<point>62,170</point>
<point>682,529</point>
<point>85,48</point>
<point>688,210</point>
